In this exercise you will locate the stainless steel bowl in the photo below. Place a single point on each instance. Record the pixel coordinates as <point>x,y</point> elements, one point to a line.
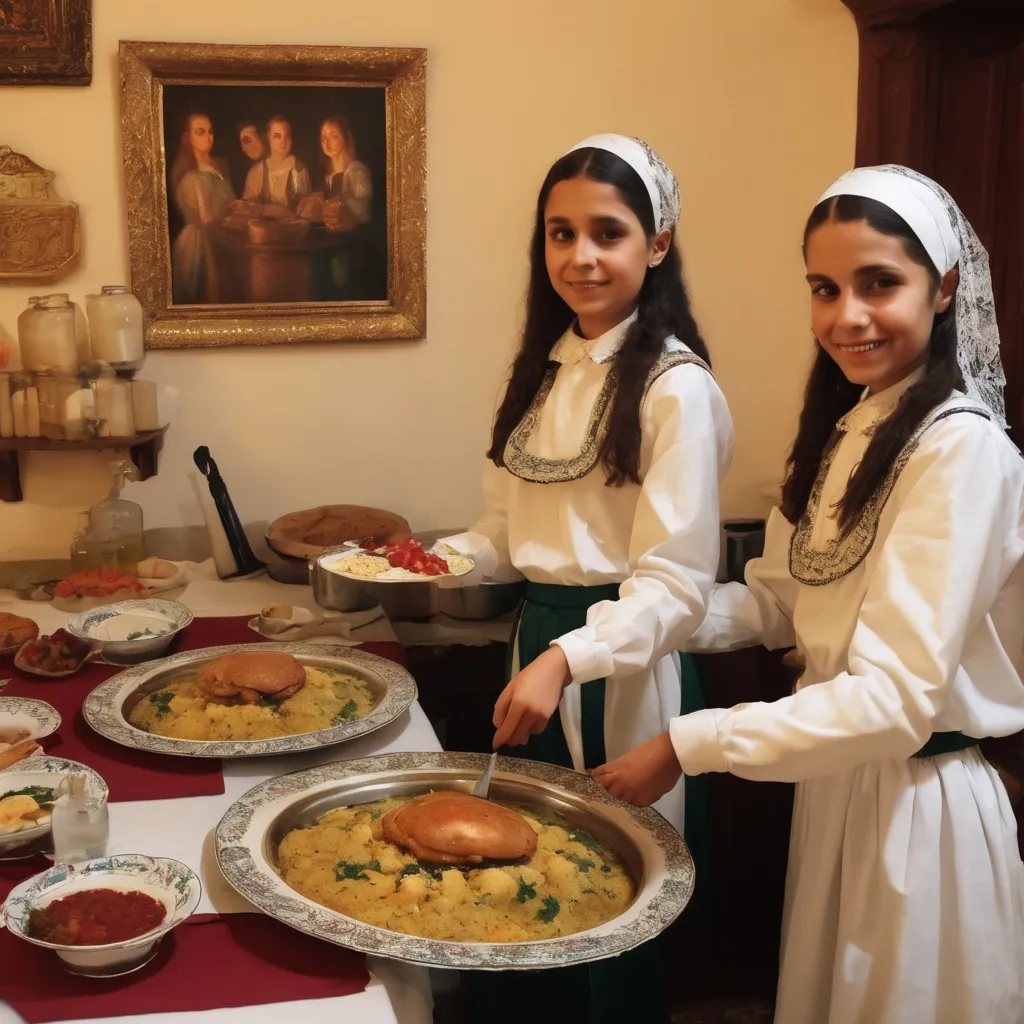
<point>406,601</point>
<point>486,600</point>
<point>250,833</point>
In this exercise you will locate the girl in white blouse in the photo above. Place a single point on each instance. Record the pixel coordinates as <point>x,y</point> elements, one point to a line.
<point>602,490</point>
<point>896,567</point>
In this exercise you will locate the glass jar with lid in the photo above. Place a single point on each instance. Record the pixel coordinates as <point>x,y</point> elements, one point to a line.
<point>115,328</point>
<point>47,335</point>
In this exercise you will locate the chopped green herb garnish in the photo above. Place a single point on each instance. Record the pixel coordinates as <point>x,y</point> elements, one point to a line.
<point>140,633</point>
<point>346,714</point>
<point>608,893</point>
<point>605,870</point>
<point>584,838</point>
<point>162,702</point>
<point>583,864</point>
<point>345,871</point>
<point>526,891</point>
<point>40,794</point>
<point>550,911</point>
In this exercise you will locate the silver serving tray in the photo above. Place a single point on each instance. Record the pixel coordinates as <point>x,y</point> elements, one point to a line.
<point>249,834</point>
<point>106,709</point>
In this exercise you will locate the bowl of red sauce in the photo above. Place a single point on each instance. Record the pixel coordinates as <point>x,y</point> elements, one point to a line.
<point>105,917</point>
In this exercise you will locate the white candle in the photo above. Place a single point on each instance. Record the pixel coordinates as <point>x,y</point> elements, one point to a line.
<point>114,407</point>
<point>32,412</point>
<point>6,409</point>
<point>18,411</point>
<point>223,559</point>
<point>144,406</point>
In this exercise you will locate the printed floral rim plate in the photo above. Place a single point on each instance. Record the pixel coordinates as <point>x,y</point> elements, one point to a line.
<point>105,708</point>
<point>248,835</point>
<point>40,718</point>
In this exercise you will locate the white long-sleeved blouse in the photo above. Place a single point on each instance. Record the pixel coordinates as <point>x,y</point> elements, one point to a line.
<point>913,625</point>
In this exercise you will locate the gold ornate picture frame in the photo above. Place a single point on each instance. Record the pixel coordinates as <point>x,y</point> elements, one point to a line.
<point>276,194</point>
<point>46,42</point>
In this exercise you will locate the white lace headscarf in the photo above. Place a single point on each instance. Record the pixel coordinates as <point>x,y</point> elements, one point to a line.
<point>656,175</point>
<point>948,239</point>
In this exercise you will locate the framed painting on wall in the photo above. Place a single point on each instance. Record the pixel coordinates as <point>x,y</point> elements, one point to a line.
<point>45,42</point>
<point>276,194</point>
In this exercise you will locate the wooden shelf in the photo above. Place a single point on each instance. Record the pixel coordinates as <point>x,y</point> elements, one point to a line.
<point>142,448</point>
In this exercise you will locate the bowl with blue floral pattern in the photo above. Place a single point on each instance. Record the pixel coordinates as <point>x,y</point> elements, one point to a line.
<point>128,632</point>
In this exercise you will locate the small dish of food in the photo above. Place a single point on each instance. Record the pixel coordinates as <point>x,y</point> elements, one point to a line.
<point>105,917</point>
<point>23,722</point>
<point>28,792</point>
<point>15,630</point>
<point>55,656</point>
<point>396,563</point>
<point>128,632</point>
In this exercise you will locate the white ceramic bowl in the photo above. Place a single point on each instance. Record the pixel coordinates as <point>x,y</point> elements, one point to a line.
<point>40,771</point>
<point>109,628</point>
<point>170,882</point>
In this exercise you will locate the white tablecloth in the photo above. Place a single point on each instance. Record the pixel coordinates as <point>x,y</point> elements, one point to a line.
<point>183,829</point>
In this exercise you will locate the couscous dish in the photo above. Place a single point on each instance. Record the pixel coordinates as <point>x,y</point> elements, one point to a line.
<point>183,711</point>
<point>571,883</point>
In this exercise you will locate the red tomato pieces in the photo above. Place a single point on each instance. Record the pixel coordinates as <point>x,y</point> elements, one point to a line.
<point>409,555</point>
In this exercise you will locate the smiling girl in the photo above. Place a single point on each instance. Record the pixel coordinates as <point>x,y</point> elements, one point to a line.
<point>896,567</point>
<point>602,490</point>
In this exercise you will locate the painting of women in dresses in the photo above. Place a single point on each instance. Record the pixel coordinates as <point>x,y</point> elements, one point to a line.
<point>276,194</point>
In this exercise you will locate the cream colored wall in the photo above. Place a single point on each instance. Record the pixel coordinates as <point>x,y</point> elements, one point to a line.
<point>752,103</point>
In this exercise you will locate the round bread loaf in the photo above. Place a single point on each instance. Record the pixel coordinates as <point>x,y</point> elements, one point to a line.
<point>308,534</point>
<point>456,828</point>
<point>252,675</point>
<point>15,630</point>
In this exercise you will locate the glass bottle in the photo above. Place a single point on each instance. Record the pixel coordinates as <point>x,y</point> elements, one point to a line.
<point>80,822</point>
<point>116,523</point>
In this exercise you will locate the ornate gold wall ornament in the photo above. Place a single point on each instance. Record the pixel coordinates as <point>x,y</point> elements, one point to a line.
<point>39,233</point>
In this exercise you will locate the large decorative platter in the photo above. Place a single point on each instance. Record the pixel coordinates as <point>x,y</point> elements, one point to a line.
<point>107,707</point>
<point>249,834</point>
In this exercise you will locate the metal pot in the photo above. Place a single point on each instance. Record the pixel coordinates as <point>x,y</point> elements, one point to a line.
<point>404,601</point>
<point>487,600</point>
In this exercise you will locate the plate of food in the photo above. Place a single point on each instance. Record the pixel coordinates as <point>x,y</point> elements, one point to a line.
<point>23,722</point>
<point>249,700</point>
<point>28,792</point>
<point>15,630</point>
<point>404,562</point>
<point>90,588</point>
<point>393,856</point>
<point>55,656</point>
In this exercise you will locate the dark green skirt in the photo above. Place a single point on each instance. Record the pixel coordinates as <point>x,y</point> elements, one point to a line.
<point>631,987</point>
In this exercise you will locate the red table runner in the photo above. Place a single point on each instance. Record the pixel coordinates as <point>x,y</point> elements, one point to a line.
<point>208,962</point>
<point>138,774</point>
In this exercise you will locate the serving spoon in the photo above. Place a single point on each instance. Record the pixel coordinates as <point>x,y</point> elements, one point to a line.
<point>483,784</point>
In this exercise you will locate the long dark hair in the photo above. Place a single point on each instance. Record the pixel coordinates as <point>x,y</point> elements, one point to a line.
<point>829,395</point>
<point>663,311</point>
